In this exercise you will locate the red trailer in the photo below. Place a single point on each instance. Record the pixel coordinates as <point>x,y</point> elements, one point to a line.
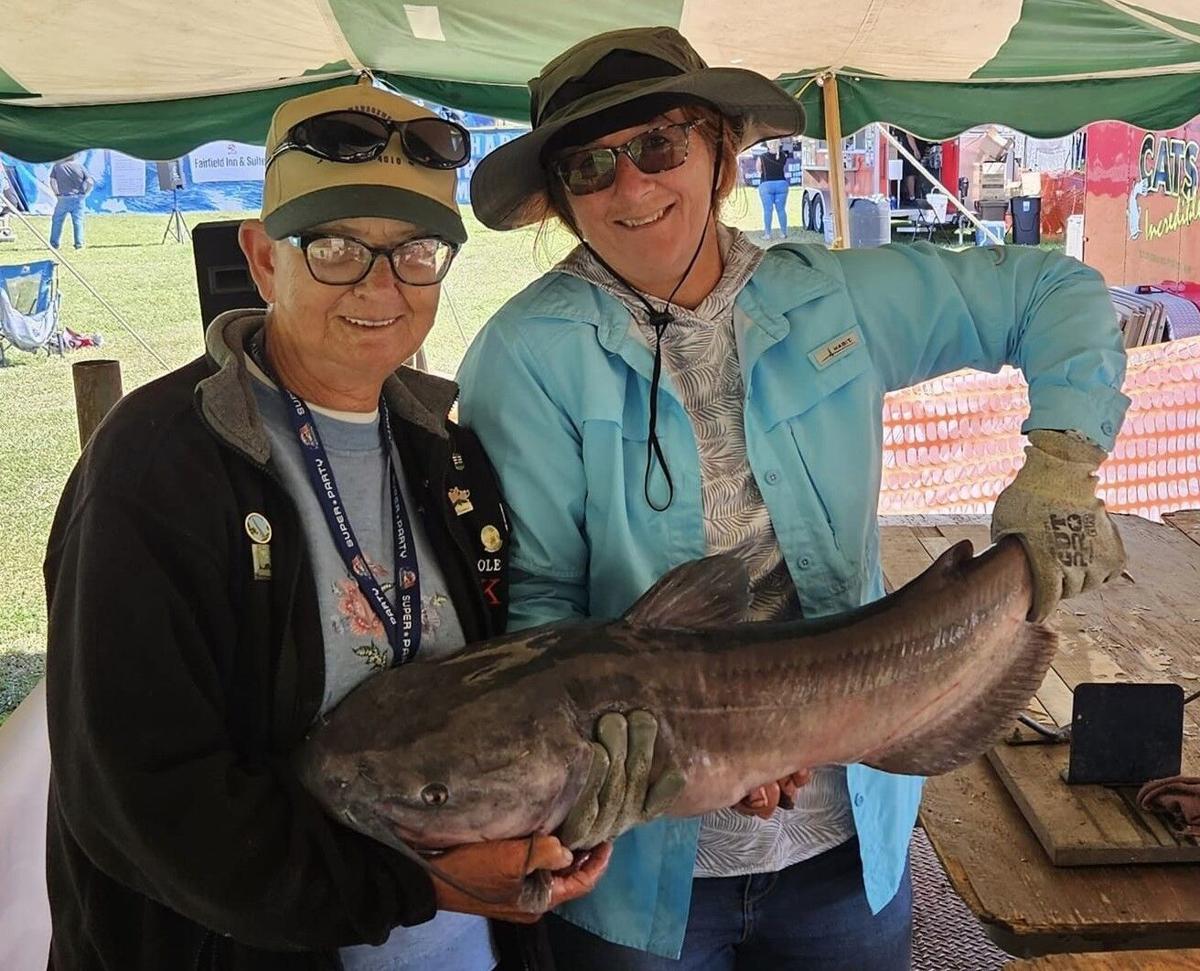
<point>870,167</point>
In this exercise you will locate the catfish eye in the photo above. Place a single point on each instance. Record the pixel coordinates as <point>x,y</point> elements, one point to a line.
<point>435,794</point>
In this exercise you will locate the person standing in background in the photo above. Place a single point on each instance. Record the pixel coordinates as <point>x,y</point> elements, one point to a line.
<point>919,148</point>
<point>773,186</point>
<point>70,183</point>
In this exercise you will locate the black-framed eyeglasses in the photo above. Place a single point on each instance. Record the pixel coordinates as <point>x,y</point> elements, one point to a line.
<point>342,261</point>
<point>591,170</point>
<point>355,136</point>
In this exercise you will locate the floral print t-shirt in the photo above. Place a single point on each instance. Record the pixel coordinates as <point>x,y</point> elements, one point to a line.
<point>356,644</point>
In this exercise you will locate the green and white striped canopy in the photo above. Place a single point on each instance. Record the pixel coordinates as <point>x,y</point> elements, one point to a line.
<point>155,79</point>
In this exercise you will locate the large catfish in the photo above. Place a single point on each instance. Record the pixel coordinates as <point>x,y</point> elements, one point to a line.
<point>494,742</point>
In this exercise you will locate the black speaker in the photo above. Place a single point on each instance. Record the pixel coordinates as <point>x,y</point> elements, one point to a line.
<point>170,175</point>
<point>222,277</point>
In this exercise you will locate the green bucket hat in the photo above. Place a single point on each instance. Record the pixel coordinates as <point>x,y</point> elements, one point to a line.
<point>651,65</point>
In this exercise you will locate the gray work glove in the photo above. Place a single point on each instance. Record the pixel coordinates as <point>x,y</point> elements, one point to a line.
<point>618,794</point>
<point>1072,544</point>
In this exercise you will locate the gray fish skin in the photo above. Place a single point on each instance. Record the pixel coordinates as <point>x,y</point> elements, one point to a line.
<point>493,742</point>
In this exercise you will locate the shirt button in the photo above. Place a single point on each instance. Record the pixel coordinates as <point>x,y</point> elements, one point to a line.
<point>772,477</point>
<point>804,563</point>
<point>858,799</point>
<point>1106,427</point>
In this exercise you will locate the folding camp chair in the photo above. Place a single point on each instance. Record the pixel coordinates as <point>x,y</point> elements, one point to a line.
<point>29,300</point>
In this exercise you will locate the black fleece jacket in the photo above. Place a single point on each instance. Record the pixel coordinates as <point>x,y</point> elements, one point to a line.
<point>178,686</point>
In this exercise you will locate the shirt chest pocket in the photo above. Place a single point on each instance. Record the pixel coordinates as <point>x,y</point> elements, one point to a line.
<point>615,431</point>
<point>823,419</point>
<point>615,408</point>
<point>828,380</point>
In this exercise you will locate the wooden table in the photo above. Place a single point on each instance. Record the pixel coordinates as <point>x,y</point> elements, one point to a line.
<point>1181,960</point>
<point>1147,628</point>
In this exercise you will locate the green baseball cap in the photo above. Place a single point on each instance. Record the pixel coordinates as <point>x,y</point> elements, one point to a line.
<point>607,78</point>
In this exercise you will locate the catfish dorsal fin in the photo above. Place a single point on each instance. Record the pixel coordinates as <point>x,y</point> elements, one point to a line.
<point>932,581</point>
<point>711,592</point>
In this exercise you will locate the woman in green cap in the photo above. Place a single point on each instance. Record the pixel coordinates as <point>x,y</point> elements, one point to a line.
<point>670,390</point>
<point>243,542</point>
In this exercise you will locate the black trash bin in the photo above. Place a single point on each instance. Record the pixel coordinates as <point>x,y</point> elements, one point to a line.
<point>1027,220</point>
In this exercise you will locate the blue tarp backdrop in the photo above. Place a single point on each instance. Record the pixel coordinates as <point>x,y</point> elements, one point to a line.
<point>219,176</point>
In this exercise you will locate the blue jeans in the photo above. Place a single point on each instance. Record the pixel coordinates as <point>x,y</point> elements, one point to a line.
<point>813,916</point>
<point>74,206</point>
<point>774,199</point>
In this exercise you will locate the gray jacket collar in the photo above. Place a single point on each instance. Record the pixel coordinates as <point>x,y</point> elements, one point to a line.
<point>227,403</point>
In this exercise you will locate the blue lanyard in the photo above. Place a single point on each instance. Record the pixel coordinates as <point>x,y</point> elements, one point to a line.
<point>403,631</point>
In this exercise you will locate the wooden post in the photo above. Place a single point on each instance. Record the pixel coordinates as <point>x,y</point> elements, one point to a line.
<point>97,389</point>
<point>837,173</point>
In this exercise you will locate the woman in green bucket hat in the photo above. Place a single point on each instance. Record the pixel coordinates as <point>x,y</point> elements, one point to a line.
<point>670,390</point>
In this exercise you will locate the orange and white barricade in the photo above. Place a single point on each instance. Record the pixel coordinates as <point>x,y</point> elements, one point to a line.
<point>951,444</point>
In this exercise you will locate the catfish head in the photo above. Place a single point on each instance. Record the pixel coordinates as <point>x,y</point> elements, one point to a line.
<point>427,755</point>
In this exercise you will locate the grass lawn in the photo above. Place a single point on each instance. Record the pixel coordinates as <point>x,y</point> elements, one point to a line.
<point>152,286</point>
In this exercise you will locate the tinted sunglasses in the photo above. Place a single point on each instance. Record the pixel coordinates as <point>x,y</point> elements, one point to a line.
<point>657,150</point>
<point>355,136</point>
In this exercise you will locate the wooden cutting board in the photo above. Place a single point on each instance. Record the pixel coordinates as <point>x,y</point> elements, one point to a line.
<point>1084,825</point>
<point>1147,630</point>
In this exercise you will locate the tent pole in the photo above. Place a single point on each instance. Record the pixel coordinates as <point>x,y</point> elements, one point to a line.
<point>953,197</point>
<point>837,174</point>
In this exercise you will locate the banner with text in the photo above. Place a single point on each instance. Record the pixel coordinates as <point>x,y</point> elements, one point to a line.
<point>227,162</point>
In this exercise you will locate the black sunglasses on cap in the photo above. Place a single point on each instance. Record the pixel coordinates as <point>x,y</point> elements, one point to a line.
<point>355,136</point>
<point>591,170</point>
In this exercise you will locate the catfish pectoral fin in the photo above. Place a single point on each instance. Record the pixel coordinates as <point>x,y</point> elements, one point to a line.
<point>964,730</point>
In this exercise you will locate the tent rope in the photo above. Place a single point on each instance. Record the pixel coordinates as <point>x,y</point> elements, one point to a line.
<point>807,84</point>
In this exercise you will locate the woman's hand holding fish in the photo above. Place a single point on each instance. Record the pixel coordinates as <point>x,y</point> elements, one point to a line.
<point>1071,543</point>
<point>762,801</point>
<point>619,793</point>
<point>522,870</point>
